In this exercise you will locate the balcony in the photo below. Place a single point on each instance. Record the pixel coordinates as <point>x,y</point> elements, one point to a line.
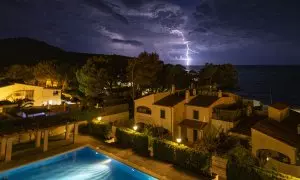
<point>230,113</point>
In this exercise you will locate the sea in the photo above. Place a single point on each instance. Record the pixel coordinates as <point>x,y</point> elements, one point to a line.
<point>268,84</point>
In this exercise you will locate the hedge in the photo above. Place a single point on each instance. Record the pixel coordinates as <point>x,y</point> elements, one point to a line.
<point>182,156</point>
<point>123,138</point>
<point>163,150</point>
<point>129,138</point>
<point>100,129</point>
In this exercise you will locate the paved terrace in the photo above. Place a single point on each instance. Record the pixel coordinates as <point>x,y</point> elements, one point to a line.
<point>160,169</point>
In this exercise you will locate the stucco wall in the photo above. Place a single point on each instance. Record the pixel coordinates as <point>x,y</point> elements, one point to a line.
<point>179,115</point>
<point>263,141</point>
<point>146,101</point>
<point>47,94</point>
<point>204,113</point>
<point>165,123</point>
<point>154,118</point>
<point>283,168</point>
<point>143,118</point>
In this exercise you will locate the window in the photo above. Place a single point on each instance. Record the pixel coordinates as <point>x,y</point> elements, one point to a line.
<point>162,114</point>
<point>196,114</point>
<point>55,93</point>
<point>18,94</point>
<point>144,110</point>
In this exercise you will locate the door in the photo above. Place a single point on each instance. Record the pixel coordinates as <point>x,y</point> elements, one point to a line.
<point>195,135</point>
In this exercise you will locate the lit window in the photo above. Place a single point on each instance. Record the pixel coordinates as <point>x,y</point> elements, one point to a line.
<point>162,114</point>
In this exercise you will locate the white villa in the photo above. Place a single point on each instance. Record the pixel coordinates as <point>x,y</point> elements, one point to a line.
<point>39,95</point>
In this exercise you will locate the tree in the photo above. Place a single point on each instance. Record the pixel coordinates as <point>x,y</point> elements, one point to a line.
<point>225,76</point>
<point>67,72</point>
<point>46,70</point>
<point>143,71</point>
<point>19,73</point>
<point>177,75</point>
<point>92,77</point>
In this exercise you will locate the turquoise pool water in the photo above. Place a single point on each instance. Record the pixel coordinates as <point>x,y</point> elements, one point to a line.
<point>82,164</point>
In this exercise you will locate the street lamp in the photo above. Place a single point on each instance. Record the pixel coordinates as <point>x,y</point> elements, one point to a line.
<point>135,127</point>
<point>99,118</point>
<point>178,140</point>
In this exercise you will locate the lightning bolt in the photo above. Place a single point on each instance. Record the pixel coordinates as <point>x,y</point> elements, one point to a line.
<point>188,50</point>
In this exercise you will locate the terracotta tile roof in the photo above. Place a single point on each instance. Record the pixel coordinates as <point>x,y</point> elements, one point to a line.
<point>279,106</point>
<point>170,100</point>
<point>194,124</point>
<point>285,131</point>
<point>203,101</point>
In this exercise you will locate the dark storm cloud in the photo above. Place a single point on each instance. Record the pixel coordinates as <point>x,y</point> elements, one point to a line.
<point>265,21</point>
<point>241,32</point>
<point>105,8</point>
<point>128,42</point>
<point>134,3</point>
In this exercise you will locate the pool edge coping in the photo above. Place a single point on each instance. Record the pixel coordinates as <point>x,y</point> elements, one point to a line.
<point>124,161</point>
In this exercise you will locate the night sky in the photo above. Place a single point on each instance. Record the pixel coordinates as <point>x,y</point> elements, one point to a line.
<point>216,31</point>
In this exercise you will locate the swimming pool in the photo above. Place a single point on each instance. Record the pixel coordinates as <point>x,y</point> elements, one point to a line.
<point>81,164</point>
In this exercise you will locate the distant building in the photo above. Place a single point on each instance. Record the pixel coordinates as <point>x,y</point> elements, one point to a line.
<point>277,138</point>
<point>39,95</point>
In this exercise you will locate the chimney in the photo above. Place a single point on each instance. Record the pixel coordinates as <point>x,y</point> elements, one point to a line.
<point>194,92</point>
<point>278,111</point>
<point>220,94</point>
<point>187,96</point>
<point>173,89</point>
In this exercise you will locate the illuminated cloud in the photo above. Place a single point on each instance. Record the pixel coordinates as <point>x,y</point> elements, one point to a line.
<point>128,42</point>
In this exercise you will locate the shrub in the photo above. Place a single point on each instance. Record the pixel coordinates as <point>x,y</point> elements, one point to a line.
<point>100,129</point>
<point>163,151</point>
<point>181,155</point>
<point>200,161</point>
<point>123,138</point>
<point>140,144</point>
<point>130,138</point>
<point>241,163</point>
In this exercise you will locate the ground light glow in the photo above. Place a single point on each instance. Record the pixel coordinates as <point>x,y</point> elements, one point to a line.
<point>188,59</point>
